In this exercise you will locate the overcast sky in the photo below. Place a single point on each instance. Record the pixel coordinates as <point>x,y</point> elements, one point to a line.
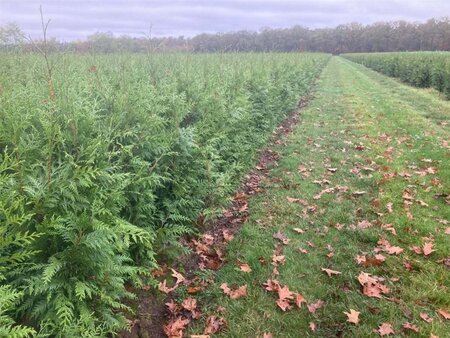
<point>76,19</point>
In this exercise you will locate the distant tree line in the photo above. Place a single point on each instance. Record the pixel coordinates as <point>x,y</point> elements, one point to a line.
<point>433,34</point>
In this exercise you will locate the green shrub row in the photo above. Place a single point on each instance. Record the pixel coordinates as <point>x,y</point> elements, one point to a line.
<point>420,69</point>
<point>99,181</point>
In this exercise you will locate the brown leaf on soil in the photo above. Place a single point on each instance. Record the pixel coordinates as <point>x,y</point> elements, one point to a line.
<point>174,329</point>
<point>214,324</point>
<point>172,307</point>
<point>178,276</point>
<point>164,288</point>
<point>353,316</point>
<point>241,291</point>
<point>426,317</point>
<point>227,235</point>
<point>410,326</point>
<point>444,313</point>
<point>315,306</point>
<point>428,248</point>
<point>385,329</point>
<point>330,272</point>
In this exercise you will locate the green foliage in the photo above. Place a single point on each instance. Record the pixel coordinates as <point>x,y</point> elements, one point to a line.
<point>120,164</point>
<point>420,69</point>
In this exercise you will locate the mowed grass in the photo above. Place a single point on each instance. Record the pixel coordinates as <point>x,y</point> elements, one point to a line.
<point>371,129</point>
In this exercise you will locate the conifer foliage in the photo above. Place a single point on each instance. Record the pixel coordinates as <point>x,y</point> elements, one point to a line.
<point>100,178</point>
<point>420,69</point>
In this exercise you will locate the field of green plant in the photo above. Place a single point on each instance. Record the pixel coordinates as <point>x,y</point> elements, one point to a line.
<point>420,69</point>
<point>105,161</point>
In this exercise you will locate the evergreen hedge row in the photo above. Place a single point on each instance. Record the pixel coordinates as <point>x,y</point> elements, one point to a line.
<point>100,179</point>
<point>420,69</point>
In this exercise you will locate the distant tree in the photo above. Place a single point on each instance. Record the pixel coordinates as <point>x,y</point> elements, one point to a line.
<point>11,36</point>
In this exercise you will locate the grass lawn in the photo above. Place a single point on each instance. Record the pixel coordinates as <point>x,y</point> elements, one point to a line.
<point>365,176</point>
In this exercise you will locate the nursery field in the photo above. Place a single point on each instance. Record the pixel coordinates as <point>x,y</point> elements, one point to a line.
<point>105,161</point>
<point>223,195</point>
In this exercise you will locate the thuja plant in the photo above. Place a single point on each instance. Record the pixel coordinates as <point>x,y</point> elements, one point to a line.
<point>104,171</point>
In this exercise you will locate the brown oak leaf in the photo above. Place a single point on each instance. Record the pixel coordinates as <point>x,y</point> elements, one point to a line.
<point>353,316</point>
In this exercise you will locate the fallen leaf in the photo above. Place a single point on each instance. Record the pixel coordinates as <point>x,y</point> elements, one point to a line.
<point>315,306</point>
<point>364,224</point>
<point>385,329</point>
<point>283,304</point>
<point>444,313</point>
<point>353,316</point>
<point>172,307</point>
<point>189,304</point>
<point>299,299</point>
<point>164,288</point>
<point>267,335</point>
<point>330,272</point>
<point>227,235</point>
<point>312,326</point>
<point>178,276</point>
<point>214,324</point>
<point>390,207</point>
<point>428,248</point>
<point>426,317</point>
<point>244,267</point>
<point>410,326</point>
<point>174,329</point>
<point>281,237</point>
<point>241,291</point>
<point>301,231</point>
<point>284,293</point>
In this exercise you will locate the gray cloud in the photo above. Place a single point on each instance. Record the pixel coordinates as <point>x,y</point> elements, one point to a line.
<point>75,19</point>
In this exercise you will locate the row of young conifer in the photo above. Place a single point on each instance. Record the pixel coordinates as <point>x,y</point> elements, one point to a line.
<point>420,69</point>
<point>105,161</point>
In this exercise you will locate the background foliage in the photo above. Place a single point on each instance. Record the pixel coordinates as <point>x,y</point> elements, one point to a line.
<point>107,160</point>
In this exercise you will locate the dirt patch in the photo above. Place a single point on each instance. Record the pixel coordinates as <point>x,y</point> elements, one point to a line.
<point>208,252</point>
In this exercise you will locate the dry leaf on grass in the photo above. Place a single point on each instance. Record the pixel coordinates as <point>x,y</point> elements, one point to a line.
<point>385,329</point>
<point>444,313</point>
<point>214,324</point>
<point>353,316</point>
<point>410,326</point>
<point>330,272</point>
<point>241,291</point>
<point>315,306</point>
<point>174,329</point>
<point>426,317</point>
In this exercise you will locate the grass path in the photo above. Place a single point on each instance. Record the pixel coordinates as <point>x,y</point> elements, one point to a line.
<point>365,173</point>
